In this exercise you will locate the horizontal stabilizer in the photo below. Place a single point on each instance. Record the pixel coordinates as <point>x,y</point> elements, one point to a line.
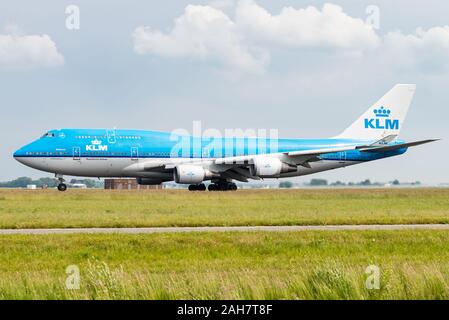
<point>396,146</point>
<point>384,141</point>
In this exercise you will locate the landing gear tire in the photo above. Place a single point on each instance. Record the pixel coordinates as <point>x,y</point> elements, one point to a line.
<point>225,186</point>
<point>197,187</point>
<point>61,186</point>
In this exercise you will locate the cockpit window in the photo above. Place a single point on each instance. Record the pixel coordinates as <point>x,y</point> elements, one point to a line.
<point>49,135</point>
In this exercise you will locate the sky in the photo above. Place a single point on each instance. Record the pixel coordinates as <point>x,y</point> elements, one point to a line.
<point>305,68</point>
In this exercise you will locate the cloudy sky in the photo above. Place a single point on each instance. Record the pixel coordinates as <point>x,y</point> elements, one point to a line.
<point>306,68</point>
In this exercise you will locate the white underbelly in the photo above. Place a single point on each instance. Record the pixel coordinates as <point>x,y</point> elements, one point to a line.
<point>87,167</point>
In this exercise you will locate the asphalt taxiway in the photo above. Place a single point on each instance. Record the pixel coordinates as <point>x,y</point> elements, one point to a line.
<point>227,229</point>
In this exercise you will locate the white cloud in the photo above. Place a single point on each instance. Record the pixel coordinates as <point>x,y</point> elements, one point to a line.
<point>201,32</point>
<point>309,27</point>
<point>221,4</point>
<point>28,50</point>
<point>205,32</point>
<point>247,40</point>
<point>427,50</point>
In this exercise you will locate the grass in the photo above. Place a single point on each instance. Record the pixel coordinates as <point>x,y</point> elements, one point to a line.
<point>251,265</point>
<point>100,208</point>
<point>240,265</point>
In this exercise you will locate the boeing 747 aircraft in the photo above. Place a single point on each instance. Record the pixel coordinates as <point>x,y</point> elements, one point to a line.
<point>154,157</point>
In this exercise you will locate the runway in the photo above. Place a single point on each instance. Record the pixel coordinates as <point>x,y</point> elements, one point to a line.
<point>150,230</point>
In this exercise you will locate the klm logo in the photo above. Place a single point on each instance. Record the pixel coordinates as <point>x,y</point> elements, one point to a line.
<point>382,120</point>
<point>96,146</point>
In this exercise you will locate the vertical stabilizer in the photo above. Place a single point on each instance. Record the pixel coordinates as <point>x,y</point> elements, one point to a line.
<point>385,117</point>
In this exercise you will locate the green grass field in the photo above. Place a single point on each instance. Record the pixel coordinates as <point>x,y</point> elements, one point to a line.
<point>100,208</point>
<point>253,265</point>
<point>233,265</point>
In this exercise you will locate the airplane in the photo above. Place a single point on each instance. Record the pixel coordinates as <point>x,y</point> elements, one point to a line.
<point>153,157</point>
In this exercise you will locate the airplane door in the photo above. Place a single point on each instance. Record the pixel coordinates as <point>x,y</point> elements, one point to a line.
<point>206,147</point>
<point>342,156</point>
<point>76,153</point>
<point>110,133</point>
<point>134,153</point>
<point>205,153</point>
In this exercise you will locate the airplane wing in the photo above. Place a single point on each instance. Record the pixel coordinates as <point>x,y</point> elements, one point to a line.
<point>290,154</point>
<point>304,157</point>
<point>317,152</point>
<point>238,167</point>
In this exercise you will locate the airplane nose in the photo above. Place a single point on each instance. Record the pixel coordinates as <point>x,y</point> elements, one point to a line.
<point>19,154</point>
<point>22,155</point>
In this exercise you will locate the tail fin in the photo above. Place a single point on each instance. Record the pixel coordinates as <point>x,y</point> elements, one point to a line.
<point>385,117</point>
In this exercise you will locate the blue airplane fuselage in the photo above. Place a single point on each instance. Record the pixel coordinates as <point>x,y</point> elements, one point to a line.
<point>142,144</point>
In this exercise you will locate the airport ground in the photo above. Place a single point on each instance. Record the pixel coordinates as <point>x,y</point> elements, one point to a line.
<point>227,265</point>
<point>162,208</point>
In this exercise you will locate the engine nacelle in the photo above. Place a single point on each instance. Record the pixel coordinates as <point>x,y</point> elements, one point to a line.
<point>189,174</point>
<point>149,181</point>
<point>270,167</point>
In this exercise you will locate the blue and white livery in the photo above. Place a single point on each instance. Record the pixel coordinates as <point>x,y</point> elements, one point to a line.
<point>154,157</point>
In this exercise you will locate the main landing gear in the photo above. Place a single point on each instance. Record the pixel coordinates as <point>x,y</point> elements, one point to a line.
<point>222,186</point>
<point>197,187</point>
<point>218,185</point>
<point>61,186</point>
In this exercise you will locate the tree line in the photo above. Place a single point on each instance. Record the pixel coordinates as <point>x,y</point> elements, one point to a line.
<point>324,182</point>
<point>23,182</point>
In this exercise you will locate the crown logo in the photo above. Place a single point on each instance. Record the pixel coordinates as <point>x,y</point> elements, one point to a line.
<point>382,112</point>
<point>96,142</point>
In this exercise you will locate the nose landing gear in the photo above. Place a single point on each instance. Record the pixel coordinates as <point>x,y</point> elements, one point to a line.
<point>61,186</point>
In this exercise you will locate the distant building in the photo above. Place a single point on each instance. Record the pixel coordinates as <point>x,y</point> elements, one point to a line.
<point>127,184</point>
<point>32,187</point>
<point>79,186</point>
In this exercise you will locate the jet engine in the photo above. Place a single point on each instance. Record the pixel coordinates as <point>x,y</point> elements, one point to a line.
<point>190,174</point>
<point>266,167</point>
